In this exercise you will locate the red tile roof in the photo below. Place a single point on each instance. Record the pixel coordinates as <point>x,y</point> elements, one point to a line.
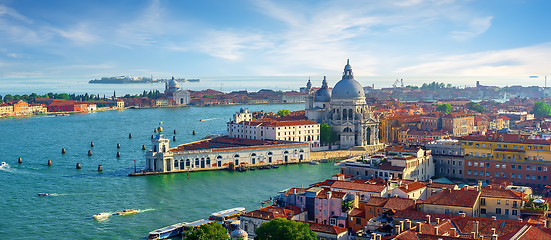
<point>506,137</point>
<point>459,198</point>
<point>410,187</point>
<point>500,193</point>
<point>270,212</point>
<point>316,227</point>
<point>364,187</point>
<point>224,143</point>
<point>397,203</point>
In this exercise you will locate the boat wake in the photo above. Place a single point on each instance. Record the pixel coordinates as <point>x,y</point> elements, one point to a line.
<point>6,167</point>
<point>145,210</point>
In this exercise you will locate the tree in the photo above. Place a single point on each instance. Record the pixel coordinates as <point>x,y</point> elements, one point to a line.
<point>327,135</point>
<point>207,96</point>
<point>540,109</point>
<point>209,231</point>
<point>445,108</point>
<point>8,98</point>
<point>283,229</point>
<point>475,106</point>
<point>283,112</point>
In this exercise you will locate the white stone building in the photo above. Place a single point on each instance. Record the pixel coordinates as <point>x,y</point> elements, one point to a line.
<point>273,129</point>
<point>222,153</point>
<point>345,110</point>
<point>175,93</point>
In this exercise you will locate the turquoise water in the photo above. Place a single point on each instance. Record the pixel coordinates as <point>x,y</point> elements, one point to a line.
<point>162,200</point>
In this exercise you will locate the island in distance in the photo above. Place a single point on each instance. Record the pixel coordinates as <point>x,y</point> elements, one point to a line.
<point>128,79</point>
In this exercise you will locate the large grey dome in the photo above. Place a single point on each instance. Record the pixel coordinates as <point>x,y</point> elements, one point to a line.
<point>173,83</point>
<point>347,87</point>
<point>323,94</point>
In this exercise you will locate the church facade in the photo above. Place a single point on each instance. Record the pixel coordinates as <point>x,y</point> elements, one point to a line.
<point>345,110</point>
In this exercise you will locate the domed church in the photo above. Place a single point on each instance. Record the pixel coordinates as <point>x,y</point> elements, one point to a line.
<point>345,110</point>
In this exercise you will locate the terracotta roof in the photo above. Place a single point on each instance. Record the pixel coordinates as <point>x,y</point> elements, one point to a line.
<point>397,203</point>
<point>459,198</point>
<point>500,193</point>
<point>290,191</point>
<point>457,115</point>
<point>441,185</point>
<point>270,212</point>
<point>388,166</point>
<point>271,122</point>
<point>225,142</point>
<point>376,201</point>
<point>364,187</point>
<point>410,187</point>
<point>316,227</point>
<point>506,138</point>
<point>357,212</point>
<point>334,194</point>
<point>412,214</point>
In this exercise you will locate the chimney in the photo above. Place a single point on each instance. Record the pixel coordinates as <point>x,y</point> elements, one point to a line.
<point>454,232</point>
<point>479,185</point>
<point>294,191</point>
<point>400,183</point>
<point>462,214</point>
<point>428,219</point>
<point>475,228</point>
<point>430,181</point>
<point>494,237</point>
<point>435,230</point>
<point>494,218</point>
<point>406,187</point>
<point>374,236</point>
<point>437,220</point>
<point>397,230</point>
<point>408,224</point>
<point>493,231</point>
<point>329,195</point>
<point>401,226</point>
<point>419,226</point>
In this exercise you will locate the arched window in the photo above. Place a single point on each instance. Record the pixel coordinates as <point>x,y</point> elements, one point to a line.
<point>350,115</point>
<point>347,129</point>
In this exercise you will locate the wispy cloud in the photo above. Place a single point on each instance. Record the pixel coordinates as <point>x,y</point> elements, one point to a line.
<point>80,34</point>
<point>519,61</point>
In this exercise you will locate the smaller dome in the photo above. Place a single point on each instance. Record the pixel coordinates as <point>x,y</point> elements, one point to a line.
<point>239,233</point>
<point>323,95</point>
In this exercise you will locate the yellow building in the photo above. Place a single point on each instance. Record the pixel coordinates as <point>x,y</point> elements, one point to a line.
<point>518,158</point>
<point>501,203</point>
<point>5,110</point>
<point>453,202</point>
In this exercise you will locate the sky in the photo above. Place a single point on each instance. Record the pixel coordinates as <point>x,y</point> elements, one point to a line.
<point>95,38</point>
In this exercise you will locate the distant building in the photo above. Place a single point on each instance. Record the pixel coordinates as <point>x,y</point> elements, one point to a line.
<point>448,158</point>
<point>6,109</point>
<point>67,106</point>
<point>176,94</point>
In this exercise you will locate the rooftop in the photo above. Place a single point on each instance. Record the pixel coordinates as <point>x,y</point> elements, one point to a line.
<point>226,142</point>
<point>458,198</point>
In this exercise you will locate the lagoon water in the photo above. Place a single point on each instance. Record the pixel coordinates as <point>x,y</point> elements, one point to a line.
<point>162,200</point>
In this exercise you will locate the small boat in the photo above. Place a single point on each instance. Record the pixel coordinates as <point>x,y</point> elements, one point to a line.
<point>275,166</point>
<point>252,168</point>
<point>314,163</point>
<point>62,114</point>
<point>4,164</point>
<point>127,212</point>
<point>102,216</point>
<point>267,167</point>
<point>266,201</point>
<point>43,194</point>
<point>202,120</point>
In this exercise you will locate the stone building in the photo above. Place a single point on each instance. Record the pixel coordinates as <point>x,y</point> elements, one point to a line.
<point>176,94</point>
<point>448,158</point>
<point>345,110</point>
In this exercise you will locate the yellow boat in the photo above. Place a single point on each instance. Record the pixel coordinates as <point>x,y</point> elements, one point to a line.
<point>127,212</point>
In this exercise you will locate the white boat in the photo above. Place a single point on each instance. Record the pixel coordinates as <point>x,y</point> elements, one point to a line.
<point>314,163</point>
<point>4,164</point>
<point>226,215</point>
<point>102,216</point>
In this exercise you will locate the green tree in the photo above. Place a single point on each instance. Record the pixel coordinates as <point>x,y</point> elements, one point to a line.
<point>283,112</point>
<point>214,231</point>
<point>540,109</point>
<point>207,96</point>
<point>8,98</point>
<point>475,106</point>
<point>283,229</point>
<point>445,108</point>
<point>327,135</point>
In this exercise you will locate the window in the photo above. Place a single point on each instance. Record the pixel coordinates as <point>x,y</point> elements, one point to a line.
<point>499,146</point>
<point>539,168</point>
<point>503,166</point>
<point>506,211</point>
<point>527,168</point>
<point>527,176</point>
<point>475,172</point>
<point>487,165</point>
<point>483,211</point>
<point>498,210</point>
<point>483,201</point>
<point>519,176</point>
<point>514,205</point>
<point>469,164</point>
<point>469,172</point>
<point>497,165</point>
<point>476,164</point>
<point>497,174</point>
<point>533,177</point>
<point>499,201</point>
<point>512,175</point>
<point>359,220</point>
<point>514,212</point>
<point>544,177</point>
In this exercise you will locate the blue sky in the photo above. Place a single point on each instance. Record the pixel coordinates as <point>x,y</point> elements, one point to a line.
<point>274,38</point>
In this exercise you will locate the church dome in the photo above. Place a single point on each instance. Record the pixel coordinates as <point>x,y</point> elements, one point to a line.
<point>173,83</point>
<point>348,87</point>
<point>323,94</point>
<point>239,233</point>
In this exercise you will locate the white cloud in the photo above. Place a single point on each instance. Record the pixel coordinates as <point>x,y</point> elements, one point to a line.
<point>475,27</point>
<point>532,60</point>
<point>81,34</point>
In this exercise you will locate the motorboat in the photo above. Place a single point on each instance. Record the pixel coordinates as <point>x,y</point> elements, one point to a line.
<point>314,163</point>
<point>4,164</point>
<point>102,216</point>
<point>127,212</point>
<point>43,194</point>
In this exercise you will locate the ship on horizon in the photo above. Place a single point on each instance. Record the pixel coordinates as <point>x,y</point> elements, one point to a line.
<point>129,80</point>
